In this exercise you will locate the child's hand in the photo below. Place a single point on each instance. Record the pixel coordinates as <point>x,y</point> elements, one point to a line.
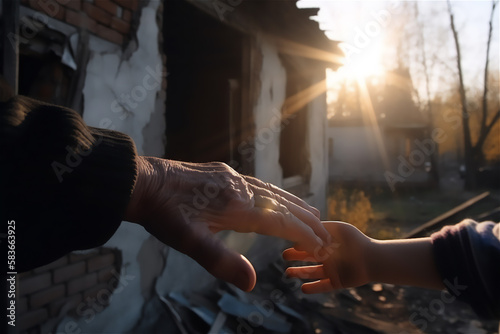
<point>343,262</point>
<point>353,259</point>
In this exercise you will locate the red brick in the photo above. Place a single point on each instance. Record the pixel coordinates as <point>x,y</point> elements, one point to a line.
<point>68,303</point>
<point>77,256</point>
<point>109,34</point>
<point>107,5</point>
<point>82,283</point>
<point>130,4</point>
<point>70,271</point>
<point>100,262</point>
<point>97,13</point>
<point>120,25</point>
<point>102,290</point>
<point>35,283</point>
<point>104,275</point>
<point>81,20</point>
<point>127,15</point>
<point>21,304</point>
<point>56,264</point>
<point>49,7</point>
<point>46,296</point>
<point>31,319</point>
<point>73,4</point>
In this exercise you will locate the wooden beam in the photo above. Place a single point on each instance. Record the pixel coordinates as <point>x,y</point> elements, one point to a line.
<point>10,42</point>
<point>445,218</point>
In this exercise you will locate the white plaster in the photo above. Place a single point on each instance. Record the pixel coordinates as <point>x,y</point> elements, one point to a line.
<point>118,92</point>
<point>317,122</point>
<point>108,76</point>
<point>267,167</point>
<point>268,108</point>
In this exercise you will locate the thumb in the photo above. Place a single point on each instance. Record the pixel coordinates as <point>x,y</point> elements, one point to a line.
<point>223,263</point>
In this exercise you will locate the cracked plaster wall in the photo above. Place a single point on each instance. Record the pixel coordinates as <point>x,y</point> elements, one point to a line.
<point>267,140</point>
<point>266,112</point>
<point>123,92</point>
<point>114,98</point>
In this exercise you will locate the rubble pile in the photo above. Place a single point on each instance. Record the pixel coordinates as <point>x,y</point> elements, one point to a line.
<point>277,305</point>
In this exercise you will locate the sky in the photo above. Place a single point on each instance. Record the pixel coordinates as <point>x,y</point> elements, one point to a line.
<point>367,29</point>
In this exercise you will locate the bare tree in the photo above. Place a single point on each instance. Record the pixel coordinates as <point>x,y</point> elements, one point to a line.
<point>474,154</point>
<point>428,107</point>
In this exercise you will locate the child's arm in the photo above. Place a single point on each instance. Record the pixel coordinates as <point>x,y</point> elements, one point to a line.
<point>354,259</point>
<point>405,262</point>
<point>467,256</point>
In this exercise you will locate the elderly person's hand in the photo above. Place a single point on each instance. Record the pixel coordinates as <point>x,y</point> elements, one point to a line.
<point>184,204</point>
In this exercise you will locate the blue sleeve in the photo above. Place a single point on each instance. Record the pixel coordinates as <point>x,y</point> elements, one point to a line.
<point>468,258</point>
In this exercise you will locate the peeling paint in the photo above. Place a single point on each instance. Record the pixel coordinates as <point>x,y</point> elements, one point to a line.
<point>271,99</point>
<point>122,94</point>
<point>317,131</point>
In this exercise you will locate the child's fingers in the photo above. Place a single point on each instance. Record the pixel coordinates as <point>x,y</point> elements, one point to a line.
<point>307,272</point>
<point>291,254</point>
<point>320,286</point>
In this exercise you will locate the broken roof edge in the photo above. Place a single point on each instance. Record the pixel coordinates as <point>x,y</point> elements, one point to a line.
<point>285,23</point>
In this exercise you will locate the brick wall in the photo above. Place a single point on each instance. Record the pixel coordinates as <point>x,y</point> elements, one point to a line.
<point>108,19</point>
<point>43,292</point>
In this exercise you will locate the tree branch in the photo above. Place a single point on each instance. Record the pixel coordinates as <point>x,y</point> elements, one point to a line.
<point>463,98</point>
<point>484,134</point>
<point>485,92</point>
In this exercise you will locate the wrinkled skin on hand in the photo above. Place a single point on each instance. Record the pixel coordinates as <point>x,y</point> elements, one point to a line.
<point>184,204</point>
<point>342,263</point>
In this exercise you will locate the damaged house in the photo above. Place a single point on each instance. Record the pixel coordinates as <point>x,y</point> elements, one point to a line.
<point>236,81</point>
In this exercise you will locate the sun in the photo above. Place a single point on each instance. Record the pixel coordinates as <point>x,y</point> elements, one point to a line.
<point>361,64</point>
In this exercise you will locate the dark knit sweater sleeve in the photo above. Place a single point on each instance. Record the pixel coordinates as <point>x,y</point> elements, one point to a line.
<point>66,185</point>
<point>468,259</point>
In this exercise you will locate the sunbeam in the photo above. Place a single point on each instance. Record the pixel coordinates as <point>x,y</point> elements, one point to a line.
<point>296,102</point>
<point>368,113</point>
<point>297,49</point>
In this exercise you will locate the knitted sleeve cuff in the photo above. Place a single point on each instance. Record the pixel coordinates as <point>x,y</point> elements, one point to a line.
<point>68,184</point>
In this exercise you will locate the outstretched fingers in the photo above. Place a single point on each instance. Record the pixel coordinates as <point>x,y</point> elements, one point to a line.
<point>326,276</point>
<point>285,194</point>
<point>291,254</point>
<point>304,213</point>
<point>307,272</point>
<point>279,222</point>
<point>321,286</point>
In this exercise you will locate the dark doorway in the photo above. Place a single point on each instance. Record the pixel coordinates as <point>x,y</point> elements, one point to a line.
<point>205,64</point>
<point>294,153</point>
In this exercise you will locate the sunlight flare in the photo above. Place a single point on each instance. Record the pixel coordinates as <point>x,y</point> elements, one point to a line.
<point>296,102</point>
<point>370,118</point>
<point>297,49</point>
